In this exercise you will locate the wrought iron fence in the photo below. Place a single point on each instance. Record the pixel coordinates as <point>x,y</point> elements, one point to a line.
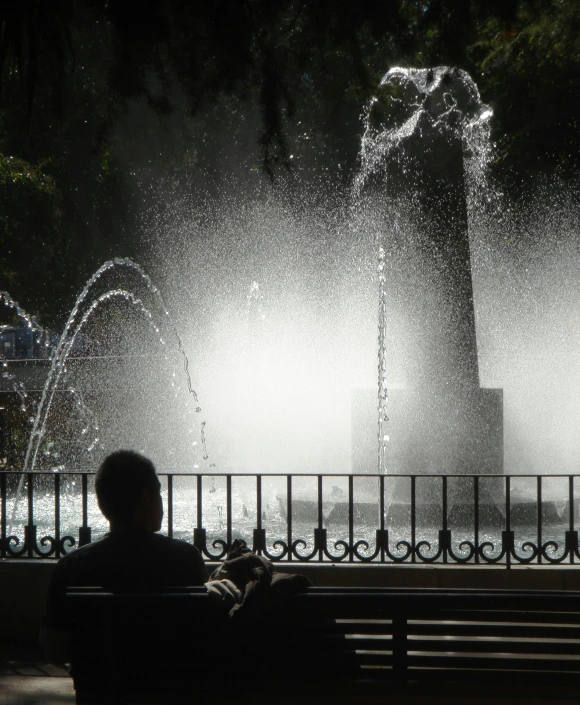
<point>416,519</point>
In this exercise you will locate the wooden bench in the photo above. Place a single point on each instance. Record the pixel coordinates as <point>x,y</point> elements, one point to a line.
<point>179,646</point>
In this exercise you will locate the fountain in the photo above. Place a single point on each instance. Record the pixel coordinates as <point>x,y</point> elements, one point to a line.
<point>277,306</point>
<point>424,150</point>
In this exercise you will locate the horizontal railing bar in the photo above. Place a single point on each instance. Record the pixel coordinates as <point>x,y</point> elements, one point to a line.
<point>304,474</point>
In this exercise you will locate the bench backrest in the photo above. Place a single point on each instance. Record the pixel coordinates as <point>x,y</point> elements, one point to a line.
<point>181,642</point>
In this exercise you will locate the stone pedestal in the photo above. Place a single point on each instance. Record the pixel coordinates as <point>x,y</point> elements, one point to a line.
<point>431,433</point>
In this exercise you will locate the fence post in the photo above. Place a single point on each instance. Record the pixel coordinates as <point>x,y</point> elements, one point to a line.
<point>85,529</point>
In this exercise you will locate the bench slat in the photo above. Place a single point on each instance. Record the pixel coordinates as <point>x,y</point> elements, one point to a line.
<point>478,663</point>
<point>494,629</point>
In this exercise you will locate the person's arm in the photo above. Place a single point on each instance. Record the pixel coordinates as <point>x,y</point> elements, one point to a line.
<point>224,592</point>
<point>200,568</point>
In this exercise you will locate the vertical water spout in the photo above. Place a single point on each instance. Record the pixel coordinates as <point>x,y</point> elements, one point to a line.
<point>425,138</point>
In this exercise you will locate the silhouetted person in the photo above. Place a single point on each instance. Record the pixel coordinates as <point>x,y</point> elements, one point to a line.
<point>132,557</point>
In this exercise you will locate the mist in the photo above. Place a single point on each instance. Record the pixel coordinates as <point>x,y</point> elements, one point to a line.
<point>276,369</point>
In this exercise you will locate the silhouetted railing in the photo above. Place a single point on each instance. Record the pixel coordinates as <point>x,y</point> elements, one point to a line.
<point>467,519</point>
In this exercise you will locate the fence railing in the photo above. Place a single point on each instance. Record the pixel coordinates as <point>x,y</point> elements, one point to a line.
<point>418,519</point>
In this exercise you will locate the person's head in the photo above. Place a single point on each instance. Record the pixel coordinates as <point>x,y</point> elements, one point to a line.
<point>128,492</point>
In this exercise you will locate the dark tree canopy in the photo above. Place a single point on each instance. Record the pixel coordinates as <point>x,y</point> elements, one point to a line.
<point>70,71</point>
<point>273,51</point>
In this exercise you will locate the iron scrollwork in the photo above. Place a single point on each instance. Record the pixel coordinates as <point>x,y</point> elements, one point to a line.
<point>445,549</point>
<point>465,546</point>
<point>508,550</point>
<point>260,547</point>
<point>571,552</point>
<point>200,542</point>
<point>33,547</point>
<point>382,544</point>
<point>320,547</point>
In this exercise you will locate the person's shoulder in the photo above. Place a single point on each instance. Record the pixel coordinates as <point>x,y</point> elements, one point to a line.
<point>176,552</point>
<point>83,553</point>
<point>168,543</point>
<point>78,561</point>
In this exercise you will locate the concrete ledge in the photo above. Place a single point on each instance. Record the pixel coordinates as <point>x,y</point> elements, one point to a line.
<point>24,584</point>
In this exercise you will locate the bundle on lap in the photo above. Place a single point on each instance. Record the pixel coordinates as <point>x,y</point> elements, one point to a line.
<point>252,582</point>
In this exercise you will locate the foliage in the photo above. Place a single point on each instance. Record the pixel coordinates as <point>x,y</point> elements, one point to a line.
<point>98,96</point>
<point>30,233</point>
<point>531,74</point>
<point>293,56</point>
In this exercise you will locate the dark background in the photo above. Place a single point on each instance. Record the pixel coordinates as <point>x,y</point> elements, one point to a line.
<point>102,105</point>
